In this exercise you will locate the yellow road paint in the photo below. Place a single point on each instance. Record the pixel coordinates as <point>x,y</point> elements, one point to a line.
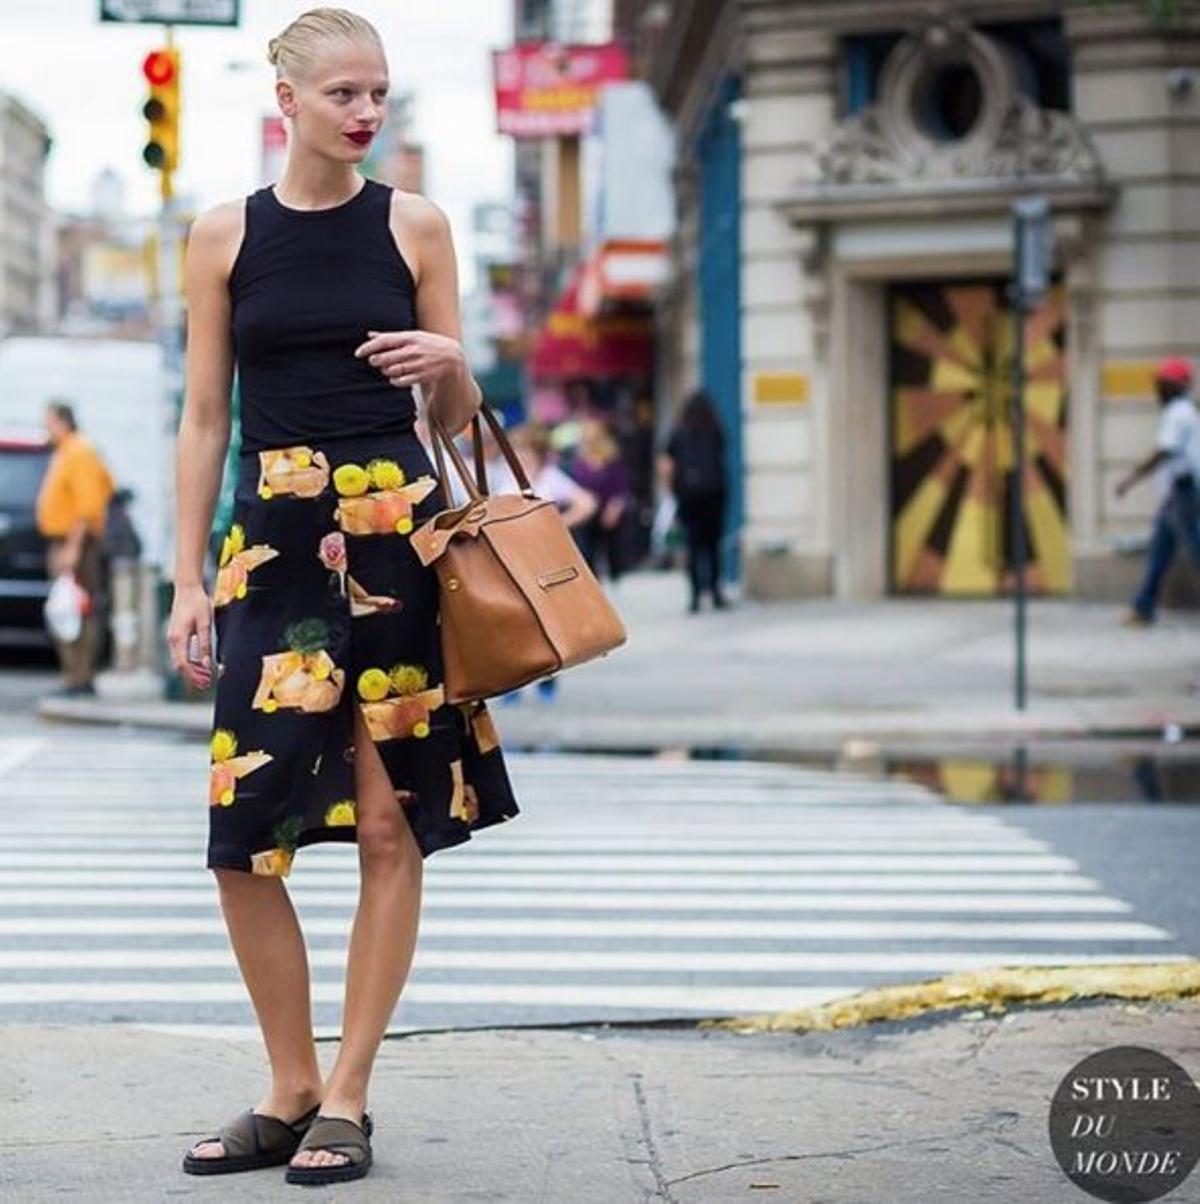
<point>994,988</point>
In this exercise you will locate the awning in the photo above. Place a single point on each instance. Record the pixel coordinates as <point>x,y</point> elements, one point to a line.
<point>623,271</point>
<point>573,345</point>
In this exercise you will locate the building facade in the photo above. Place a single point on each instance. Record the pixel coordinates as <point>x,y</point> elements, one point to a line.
<point>26,251</point>
<point>846,178</point>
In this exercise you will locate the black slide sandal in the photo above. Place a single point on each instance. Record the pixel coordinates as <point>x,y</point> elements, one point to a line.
<point>251,1141</point>
<point>338,1136</point>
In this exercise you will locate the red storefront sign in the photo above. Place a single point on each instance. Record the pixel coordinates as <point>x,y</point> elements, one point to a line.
<point>544,90</point>
<point>573,346</point>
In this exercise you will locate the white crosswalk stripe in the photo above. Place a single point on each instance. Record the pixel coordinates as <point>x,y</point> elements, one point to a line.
<point>628,888</point>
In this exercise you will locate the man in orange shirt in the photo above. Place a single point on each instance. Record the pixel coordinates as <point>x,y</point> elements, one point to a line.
<point>71,509</point>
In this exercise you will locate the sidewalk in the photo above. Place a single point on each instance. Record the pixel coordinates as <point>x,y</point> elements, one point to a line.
<point>915,1112</point>
<point>814,675</point>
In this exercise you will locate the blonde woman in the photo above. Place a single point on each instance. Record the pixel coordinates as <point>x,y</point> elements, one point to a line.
<point>334,296</point>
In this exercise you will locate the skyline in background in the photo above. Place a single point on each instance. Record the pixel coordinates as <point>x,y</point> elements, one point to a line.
<point>83,78</point>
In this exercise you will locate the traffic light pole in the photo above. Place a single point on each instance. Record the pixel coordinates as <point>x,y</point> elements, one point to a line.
<point>170,339</point>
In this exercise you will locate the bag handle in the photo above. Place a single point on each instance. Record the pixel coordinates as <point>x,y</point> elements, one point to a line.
<point>477,489</point>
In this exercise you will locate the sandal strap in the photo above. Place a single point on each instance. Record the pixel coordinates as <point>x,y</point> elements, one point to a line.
<point>255,1133</point>
<point>339,1135</point>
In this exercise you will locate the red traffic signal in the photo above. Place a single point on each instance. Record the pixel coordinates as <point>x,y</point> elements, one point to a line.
<point>159,67</point>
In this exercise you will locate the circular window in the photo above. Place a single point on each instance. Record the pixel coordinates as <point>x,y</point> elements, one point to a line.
<point>948,101</point>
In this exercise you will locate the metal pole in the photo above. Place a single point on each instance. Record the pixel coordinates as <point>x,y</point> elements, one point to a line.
<point>170,335</point>
<point>1017,500</point>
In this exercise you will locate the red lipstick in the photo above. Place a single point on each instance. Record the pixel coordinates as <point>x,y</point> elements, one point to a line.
<point>361,137</point>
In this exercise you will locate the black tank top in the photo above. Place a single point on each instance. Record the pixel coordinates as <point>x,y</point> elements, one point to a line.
<point>306,286</point>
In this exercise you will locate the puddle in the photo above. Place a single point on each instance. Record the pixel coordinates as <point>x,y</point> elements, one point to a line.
<point>1084,772</point>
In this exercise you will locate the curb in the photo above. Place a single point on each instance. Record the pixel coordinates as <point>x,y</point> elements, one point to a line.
<point>994,988</point>
<point>796,734</point>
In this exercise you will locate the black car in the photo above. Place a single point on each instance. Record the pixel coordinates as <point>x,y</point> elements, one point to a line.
<point>23,580</point>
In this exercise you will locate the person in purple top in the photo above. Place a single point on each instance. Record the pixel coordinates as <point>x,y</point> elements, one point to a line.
<point>598,467</point>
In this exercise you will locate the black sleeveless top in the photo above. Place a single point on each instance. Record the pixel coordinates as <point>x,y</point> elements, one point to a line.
<point>306,286</point>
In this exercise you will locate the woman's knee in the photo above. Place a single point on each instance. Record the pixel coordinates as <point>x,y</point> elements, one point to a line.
<point>386,841</point>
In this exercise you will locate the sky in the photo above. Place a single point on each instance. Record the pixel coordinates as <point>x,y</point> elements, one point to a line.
<point>83,78</point>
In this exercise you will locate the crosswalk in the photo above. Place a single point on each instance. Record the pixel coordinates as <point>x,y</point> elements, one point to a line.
<point>628,888</point>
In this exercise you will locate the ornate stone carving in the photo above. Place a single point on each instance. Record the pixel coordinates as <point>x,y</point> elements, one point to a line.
<point>1009,138</point>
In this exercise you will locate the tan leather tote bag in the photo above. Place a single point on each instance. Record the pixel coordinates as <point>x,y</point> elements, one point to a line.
<point>518,601</point>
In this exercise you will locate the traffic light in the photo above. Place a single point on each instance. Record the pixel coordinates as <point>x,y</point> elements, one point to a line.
<point>161,110</point>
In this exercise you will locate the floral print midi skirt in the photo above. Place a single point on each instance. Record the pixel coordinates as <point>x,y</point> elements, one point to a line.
<point>320,604</point>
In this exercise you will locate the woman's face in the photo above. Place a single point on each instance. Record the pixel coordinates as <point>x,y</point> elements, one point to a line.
<point>344,94</point>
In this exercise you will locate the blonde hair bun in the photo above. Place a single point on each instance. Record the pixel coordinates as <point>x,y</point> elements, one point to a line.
<point>296,50</point>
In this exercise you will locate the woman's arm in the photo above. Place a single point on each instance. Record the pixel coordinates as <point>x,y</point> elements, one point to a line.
<point>431,356</point>
<point>578,504</point>
<point>203,430</point>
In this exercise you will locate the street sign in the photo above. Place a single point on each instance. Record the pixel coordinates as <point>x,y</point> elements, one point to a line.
<point>171,12</point>
<point>1035,246</point>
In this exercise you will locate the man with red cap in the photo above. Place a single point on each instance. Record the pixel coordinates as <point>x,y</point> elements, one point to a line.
<point>1176,457</point>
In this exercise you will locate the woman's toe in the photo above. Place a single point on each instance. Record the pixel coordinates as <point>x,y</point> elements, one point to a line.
<point>208,1149</point>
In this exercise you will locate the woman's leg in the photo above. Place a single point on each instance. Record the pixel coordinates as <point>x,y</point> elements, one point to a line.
<point>695,570</point>
<point>712,539</point>
<point>269,947</point>
<point>382,940</point>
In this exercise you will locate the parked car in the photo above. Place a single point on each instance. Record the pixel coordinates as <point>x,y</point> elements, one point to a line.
<point>23,581</point>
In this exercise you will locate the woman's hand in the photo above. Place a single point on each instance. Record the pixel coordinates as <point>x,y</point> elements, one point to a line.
<point>191,615</point>
<point>413,357</point>
<point>610,516</point>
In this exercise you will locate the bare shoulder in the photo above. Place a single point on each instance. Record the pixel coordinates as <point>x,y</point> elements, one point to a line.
<point>419,227</point>
<point>419,214</point>
<point>216,235</point>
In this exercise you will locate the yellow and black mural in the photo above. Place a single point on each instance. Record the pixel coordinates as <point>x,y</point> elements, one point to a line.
<point>952,457</point>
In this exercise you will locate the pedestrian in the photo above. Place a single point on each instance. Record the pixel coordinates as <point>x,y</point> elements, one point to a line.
<point>121,539</point>
<point>1176,462</point>
<point>598,467</point>
<point>71,509</point>
<point>531,444</point>
<point>334,295</point>
<point>692,467</point>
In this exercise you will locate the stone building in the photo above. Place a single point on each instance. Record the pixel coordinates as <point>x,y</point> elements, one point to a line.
<point>26,252</point>
<point>846,177</point>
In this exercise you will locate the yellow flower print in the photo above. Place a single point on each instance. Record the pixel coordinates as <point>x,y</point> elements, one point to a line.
<point>223,744</point>
<point>341,814</point>
<point>381,511</point>
<point>351,481</point>
<point>408,679</point>
<point>233,543</point>
<point>400,702</point>
<point>386,474</point>
<point>372,685</point>
<point>227,767</point>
